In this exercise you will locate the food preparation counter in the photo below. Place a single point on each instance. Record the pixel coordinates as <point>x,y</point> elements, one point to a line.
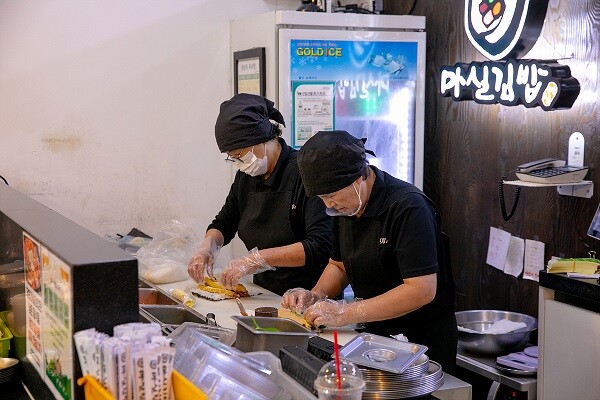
<point>224,309</point>
<point>453,388</point>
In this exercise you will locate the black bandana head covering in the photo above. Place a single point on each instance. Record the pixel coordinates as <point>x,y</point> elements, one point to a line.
<point>330,161</point>
<point>243,121</point>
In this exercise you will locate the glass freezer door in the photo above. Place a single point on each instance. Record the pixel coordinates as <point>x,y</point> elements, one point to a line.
<point>370,84</point>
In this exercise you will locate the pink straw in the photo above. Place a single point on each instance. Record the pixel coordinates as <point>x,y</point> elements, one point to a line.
<point>336,350</point>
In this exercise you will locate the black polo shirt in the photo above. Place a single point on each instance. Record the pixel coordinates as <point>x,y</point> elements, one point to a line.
<point>301,219</point>
<point>397,237</point>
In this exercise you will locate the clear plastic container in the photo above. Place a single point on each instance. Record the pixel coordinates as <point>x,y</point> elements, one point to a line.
<point>18,303</point>
<point>231,368</point>
<point>349,386</point>
<point>223,335</point>
<point>282,379</point>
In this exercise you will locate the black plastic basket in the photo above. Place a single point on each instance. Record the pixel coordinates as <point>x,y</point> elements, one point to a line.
<point>321,348</point>
<point>301,365</point>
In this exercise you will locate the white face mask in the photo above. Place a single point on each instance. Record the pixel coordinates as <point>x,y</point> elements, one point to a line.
<point>253,165</point>
<point>335,213</point>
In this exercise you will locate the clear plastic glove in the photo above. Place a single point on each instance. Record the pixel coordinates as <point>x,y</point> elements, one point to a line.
<point>250,264</point>
<point>299,299</point>
<point>335,313</point>
<point>203,259</point>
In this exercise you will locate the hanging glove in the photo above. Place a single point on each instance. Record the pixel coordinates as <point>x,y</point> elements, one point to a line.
<point>250,264</point>
<point>203,259</point>
<point>336,313</point>
<point>299,299</point>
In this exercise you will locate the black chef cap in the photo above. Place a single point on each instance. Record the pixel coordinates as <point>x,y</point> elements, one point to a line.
<point>330,161</point>
<point>243,121</point>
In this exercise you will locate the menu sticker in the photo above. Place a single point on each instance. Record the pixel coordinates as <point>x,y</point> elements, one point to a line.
<point>58,350</point>
<point>33,262</point>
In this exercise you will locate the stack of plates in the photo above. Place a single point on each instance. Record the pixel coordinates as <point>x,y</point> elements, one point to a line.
<point>422,378</point>
<point>8,369</point>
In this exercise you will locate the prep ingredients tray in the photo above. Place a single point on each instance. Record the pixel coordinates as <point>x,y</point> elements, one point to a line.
<point>285,332</point>
<point>382,353</point>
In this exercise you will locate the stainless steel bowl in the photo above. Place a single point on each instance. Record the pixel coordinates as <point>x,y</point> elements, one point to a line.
<point>493,344</point>
<point>9,368</point>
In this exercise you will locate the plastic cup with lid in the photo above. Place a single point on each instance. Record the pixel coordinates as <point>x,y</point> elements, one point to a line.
<point>350,386</point>
<point>18,304</point>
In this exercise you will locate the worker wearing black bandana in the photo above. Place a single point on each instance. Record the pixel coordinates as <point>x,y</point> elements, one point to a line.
<point>287,233</point>
<point>388,246</point>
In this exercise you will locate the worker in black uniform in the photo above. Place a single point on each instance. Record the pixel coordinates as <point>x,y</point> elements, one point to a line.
<point>387,245</point>
<point>288,234</point>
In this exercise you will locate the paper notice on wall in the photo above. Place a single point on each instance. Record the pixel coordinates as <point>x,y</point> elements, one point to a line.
<point>498,248</point>
<point>534,259</point>
<point>514,258</point>
<point>313,109</point>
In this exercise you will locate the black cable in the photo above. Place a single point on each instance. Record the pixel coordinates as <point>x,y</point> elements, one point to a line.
<point>502,201</point>
<point>412,8</point>
<point>5,181</point>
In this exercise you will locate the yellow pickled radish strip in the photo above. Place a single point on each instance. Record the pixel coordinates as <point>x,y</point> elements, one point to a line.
<point>182,296</point>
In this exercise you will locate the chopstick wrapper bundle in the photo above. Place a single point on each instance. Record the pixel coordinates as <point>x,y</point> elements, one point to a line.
<point>134,364</point>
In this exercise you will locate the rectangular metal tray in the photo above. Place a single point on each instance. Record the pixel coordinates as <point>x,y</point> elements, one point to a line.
<point>382,353</point>
<point>290,334</point>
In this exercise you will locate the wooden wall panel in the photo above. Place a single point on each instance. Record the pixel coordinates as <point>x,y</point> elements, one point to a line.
<point>471,146</point>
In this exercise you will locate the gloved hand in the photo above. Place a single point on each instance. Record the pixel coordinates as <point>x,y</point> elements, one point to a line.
<point>203,259</point>
<point>299,299</point>
<point>335,313</point>
<point>251,263</point>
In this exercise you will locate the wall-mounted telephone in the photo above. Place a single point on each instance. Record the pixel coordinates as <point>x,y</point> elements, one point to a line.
<point>547,170</point>
<point>550,170</point>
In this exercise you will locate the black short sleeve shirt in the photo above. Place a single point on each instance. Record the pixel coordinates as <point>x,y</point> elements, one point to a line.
<point>397,237</point>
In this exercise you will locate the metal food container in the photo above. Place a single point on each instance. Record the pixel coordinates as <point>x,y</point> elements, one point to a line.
<point>148,295</point>
<point>248,338</point>
<point>493,344</point>
<point>169,317</point>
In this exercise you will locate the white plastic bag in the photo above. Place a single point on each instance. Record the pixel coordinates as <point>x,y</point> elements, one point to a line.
<point>165,258</point>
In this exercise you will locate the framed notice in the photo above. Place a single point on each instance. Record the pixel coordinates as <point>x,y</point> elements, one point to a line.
<point>249,71</point>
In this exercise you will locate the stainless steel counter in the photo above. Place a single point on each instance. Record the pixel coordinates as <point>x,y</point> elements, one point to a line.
<point>485,366</point>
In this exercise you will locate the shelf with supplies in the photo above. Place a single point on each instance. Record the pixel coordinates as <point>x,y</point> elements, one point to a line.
<point>576,189</point>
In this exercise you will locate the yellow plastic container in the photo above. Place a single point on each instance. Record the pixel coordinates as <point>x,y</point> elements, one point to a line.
<point>5,340</point>
<point>182,388</point>
<point>18,345</point>
<point>93,390</point>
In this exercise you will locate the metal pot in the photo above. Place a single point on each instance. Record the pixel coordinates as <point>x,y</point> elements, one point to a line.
<point>493,344</point>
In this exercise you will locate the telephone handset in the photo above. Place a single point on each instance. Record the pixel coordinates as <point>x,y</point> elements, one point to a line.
<point>539,164</point>
<point>550,170</point>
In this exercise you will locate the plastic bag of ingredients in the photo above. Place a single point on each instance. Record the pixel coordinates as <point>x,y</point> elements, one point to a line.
<point>165,258</point>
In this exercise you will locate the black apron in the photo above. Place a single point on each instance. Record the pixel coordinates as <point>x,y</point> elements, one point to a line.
<point>265,223</point>
<point>433,325</point>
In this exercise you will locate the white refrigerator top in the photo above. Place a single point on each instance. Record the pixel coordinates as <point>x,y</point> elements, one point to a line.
<point>321,20</point>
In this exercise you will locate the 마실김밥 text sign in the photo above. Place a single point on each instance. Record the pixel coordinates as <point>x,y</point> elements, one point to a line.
<point>512,82</point>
